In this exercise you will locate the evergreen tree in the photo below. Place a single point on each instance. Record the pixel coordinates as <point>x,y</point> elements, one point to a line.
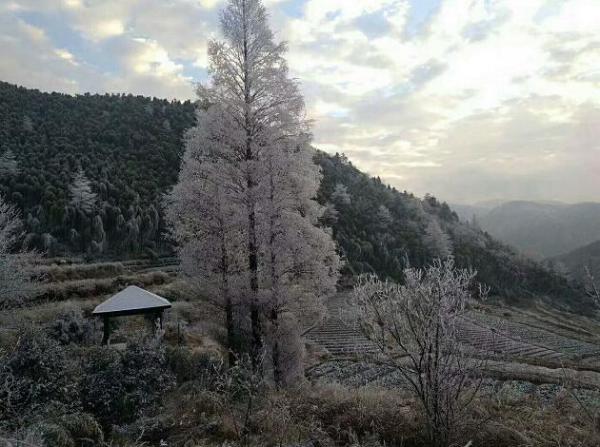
<point>82,196</point>
<point>8,164</point>
<point>436,240</point>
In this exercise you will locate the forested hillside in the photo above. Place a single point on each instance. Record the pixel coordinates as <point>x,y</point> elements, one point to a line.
<point>581,262</point>
<point>88,173</point>
<point>382,230</point>
<point>125,149</point>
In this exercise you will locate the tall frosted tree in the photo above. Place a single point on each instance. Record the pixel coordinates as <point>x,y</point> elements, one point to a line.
<point>207,216</point>
<point>247,186</point>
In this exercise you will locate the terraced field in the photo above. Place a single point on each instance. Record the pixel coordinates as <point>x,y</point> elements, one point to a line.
<point>336,337</point>
<point>511,340</point>
<point>506,343</point>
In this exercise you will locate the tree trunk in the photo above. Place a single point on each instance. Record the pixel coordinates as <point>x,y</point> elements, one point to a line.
<point>274,314</point>
<point>229,325</point>
<point>276,353</point>
<point>257,342</point>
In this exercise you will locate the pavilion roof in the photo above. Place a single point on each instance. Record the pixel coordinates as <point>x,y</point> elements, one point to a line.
<point>131,300</point>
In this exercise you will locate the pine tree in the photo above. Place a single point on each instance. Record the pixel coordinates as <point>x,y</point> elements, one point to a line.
<point>8,164</point>
<point>99,235</point>
<point>82,196</point>
<point>436,239</point>
<point>340,195</point>
<point>247,186</point>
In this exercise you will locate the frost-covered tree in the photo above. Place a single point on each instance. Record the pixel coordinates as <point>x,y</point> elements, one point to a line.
<point>340,195</point>
<point>27,124</point>
<point>206,214</point>
<point>250,154</point>
<point>416,329</point>
<point>82,196</point>
<point>384,217</point>
<point>15,269</point>
<point>8,164</point>
<point>133,234</point>
<point>437,240</point>
<point>592,287</point>
<point>99,235</point>
<point>301,258</point>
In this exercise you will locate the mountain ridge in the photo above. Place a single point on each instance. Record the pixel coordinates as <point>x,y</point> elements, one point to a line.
<point>129,148</point>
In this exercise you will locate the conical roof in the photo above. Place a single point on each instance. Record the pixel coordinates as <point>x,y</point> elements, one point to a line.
<point>131,299</point>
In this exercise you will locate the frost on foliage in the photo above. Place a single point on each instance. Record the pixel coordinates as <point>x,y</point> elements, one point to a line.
<point>340,195</point>
<point>416,327</point>
<point>248,181</point>
<point>436,239</point>
<point>82,196</point>
<point>16,284</point>
<point>8,164</point>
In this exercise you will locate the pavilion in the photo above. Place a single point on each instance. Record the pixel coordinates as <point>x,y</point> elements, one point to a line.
<point>131,301</point>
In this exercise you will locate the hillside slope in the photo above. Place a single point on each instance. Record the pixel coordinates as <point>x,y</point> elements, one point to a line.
<point>577,261</point>
<point>382,230</point>
<point>540,229</point>
<point>129,148</point>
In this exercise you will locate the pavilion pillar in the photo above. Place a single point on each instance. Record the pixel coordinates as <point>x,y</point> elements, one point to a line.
<point>106,328</point>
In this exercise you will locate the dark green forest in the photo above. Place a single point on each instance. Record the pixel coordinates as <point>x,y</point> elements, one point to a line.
<point>88,173</point>
<point>127,148</point>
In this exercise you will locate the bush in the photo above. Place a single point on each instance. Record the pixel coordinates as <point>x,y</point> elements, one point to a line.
<point>102,388</point>
<point>118,387</point>
<point>146,375</point>
<point>36,377</point>
<point>71,326</point>
<point>188,365</point>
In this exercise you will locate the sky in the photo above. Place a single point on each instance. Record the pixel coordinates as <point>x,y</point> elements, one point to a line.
<point>469,100</point>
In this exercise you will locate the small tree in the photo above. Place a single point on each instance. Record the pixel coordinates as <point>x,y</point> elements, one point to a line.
<point>16,283</point>
<point>436,239</point>
<point>415,326</point>
<point>8,164</point>
<point>82,196</point>
<point>340,195</point>
<point>593,288</point>
<point>592,414</point>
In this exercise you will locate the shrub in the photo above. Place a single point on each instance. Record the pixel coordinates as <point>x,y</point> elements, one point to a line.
<point>71,326</point>
<point>189,365</point>
<point>36,377</point>
<point>68,430</point>
<point>118,387</point>
<point>146,375</point>
<point>102,388</point>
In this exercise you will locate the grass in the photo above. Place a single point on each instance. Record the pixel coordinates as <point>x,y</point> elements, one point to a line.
<point>328,413</point>
<point>93,287</point>
<point>70,272</point>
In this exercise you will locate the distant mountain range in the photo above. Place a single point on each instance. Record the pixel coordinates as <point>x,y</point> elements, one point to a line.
<point>538,229</point>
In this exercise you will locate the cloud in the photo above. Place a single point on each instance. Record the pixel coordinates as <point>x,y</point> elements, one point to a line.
<point>465,99</point>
